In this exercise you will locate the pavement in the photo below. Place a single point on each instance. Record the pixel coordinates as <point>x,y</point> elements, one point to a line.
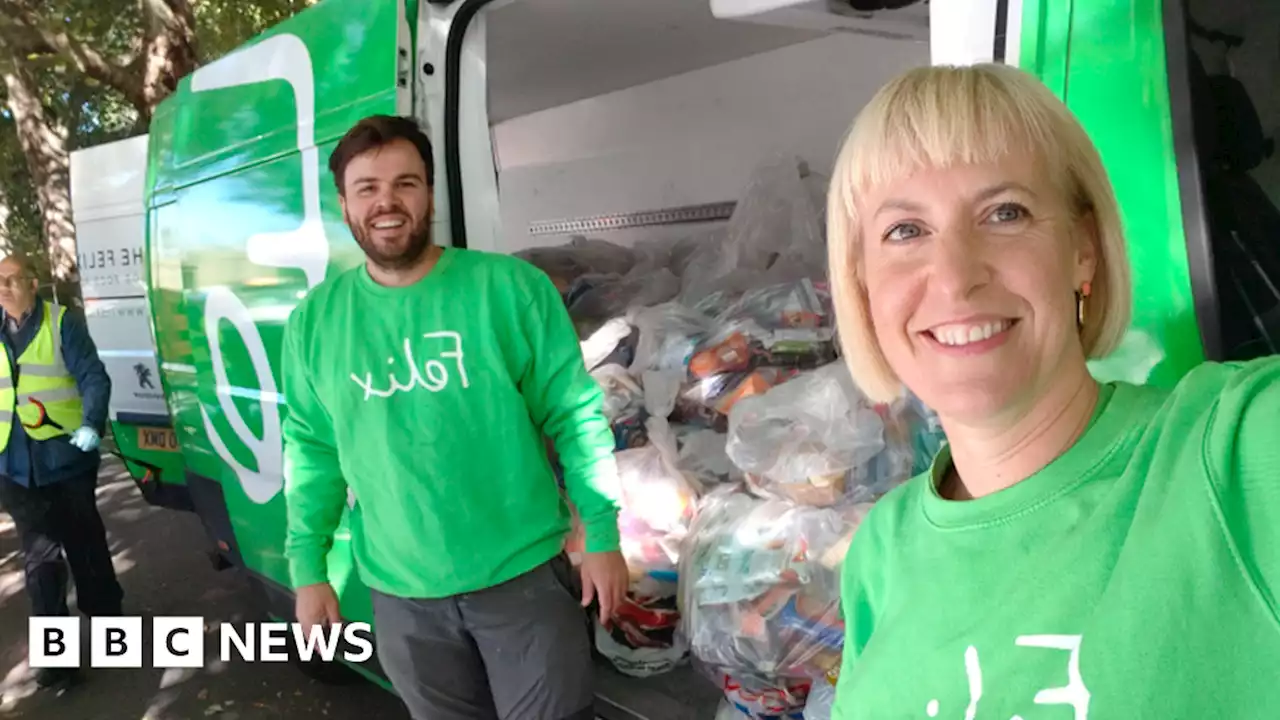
<point>160,558</point>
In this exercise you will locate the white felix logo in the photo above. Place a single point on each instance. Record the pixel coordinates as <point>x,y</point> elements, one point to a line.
<point>282,57</point>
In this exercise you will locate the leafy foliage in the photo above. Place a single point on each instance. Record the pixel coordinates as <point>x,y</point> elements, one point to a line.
<point>223,25</point>
<point>87,59</point>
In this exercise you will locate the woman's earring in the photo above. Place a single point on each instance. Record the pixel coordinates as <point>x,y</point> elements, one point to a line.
<point>1081,295</point>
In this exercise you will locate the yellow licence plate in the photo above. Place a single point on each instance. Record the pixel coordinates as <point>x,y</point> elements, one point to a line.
<point>163,439</point>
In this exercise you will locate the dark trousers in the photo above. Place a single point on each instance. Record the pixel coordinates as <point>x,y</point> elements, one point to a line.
<point>518,651</point>
<point>62,520</point>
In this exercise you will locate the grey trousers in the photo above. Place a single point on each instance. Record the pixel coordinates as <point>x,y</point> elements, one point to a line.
<point>518,651</point>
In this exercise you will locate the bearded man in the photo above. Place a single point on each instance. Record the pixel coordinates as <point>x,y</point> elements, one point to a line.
<point>424,382</point>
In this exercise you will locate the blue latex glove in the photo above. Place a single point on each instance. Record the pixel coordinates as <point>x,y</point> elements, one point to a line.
<point>86,438</point>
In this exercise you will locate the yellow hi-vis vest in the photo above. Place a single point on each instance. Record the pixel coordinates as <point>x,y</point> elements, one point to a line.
<point>42,375</point>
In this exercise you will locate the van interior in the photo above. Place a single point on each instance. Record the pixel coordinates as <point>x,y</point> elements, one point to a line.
<point>637,123</point>
<point>649,122</point>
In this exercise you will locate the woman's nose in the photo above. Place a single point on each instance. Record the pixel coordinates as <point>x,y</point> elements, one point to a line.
<point>959,265</point>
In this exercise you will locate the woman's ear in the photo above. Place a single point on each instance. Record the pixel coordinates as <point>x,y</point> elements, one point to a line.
<point>1088,248</point>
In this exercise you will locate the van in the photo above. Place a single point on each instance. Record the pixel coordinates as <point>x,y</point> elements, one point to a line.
<point>108,191</point>
<point>632,121</point>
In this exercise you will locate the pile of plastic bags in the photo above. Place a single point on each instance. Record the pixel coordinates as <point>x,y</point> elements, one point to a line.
<point>747,455</point>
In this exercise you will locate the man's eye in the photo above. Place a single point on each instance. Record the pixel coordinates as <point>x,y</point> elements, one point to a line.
<point>902,232</point>
<point>1009,212</point>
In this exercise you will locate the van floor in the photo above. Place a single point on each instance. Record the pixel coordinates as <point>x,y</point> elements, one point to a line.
<point>682,694</point>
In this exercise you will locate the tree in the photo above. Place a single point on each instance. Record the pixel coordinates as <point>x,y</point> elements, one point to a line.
<point>140,54</point>
<point>80,72</point>
<point>140,57</point>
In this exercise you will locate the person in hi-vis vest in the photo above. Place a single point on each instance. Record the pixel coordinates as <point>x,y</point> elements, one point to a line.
<point>54,392</point>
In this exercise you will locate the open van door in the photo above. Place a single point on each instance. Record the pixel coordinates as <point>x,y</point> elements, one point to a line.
<point>242,220</point>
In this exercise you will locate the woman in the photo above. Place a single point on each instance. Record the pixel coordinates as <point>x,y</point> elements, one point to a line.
<point>1078,550</point>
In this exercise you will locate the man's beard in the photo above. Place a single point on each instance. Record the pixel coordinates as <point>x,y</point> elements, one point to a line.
<point>420,238</point>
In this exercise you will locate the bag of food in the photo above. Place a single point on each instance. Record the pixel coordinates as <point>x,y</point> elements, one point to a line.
<point>702,456</point>
<point>801,439</point>
<point>775,234</point>
<point>623,406</point>
<point>602,345</point>
<point>670,334</point>
<point>760,588</point>
<point>822,700</point>
<point>658,504</point>
<point>754,698</point>
<point>655,492</point>
<point>599,299</point>
<point>564,264</point>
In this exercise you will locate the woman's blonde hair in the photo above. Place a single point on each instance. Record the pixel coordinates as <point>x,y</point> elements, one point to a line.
<point>939,116</point>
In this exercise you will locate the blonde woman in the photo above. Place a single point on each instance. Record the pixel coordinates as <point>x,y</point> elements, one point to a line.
<point>1078,550</point>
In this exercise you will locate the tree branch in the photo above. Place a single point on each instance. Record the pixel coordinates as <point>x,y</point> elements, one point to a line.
<point>22,43</point>
<point>16,22</point>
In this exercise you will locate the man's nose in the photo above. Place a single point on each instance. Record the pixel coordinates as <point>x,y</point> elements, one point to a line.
<point>385,200</point>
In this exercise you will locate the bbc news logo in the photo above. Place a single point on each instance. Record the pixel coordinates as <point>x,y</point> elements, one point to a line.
<point>179,642</point>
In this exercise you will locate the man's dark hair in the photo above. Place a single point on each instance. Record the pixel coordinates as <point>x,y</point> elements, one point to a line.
<point>374,132</point>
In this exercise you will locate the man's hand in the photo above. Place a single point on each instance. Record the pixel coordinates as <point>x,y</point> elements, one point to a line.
<point>86,439</point>
<point>604,577</point>
<point>317,605</point>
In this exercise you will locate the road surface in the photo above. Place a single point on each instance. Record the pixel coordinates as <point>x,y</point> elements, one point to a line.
<point>159,557</point>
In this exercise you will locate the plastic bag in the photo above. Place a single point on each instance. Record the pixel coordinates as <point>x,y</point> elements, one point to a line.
<point>655,492</point>
<point>788,324</point>
<point>580,256</point>
<point>759,585</point>
<point>600,345</point>
<point>644,638</point>
<point>669,335</point>
<point>684,250</point>
<point>597,299</point>
<point>623,396</point>
<point>767,699</point>
<point>802,438</point>
<point>658,504</point>
<point>821,702</point>
<point>760,699</point>
<point>913,435</point>
<point>708,401</point>
<point>775,219</point>
<point>643,641</point>
<point>805,303</point>
<point>623,406</point>
<point>702,456</point>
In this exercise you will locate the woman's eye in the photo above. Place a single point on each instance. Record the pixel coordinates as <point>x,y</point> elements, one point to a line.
<point>1009,212</point>
<point>902,232</point>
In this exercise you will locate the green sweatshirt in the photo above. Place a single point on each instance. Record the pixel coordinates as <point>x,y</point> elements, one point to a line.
<point>1136,576</point>
<point>430,403</point>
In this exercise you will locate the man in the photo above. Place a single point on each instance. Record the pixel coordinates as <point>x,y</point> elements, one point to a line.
<point>53,411</point>
<point>424,381</point>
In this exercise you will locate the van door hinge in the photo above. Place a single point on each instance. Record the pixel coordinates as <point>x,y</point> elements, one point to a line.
<point>404,68</point>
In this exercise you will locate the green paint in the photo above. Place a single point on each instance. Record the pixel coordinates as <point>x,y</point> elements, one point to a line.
<point>1107,59</point>
<point>1044,50</point>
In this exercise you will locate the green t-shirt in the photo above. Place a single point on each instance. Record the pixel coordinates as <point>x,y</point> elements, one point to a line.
<point>1136,576</point>
<point>430,403</point>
